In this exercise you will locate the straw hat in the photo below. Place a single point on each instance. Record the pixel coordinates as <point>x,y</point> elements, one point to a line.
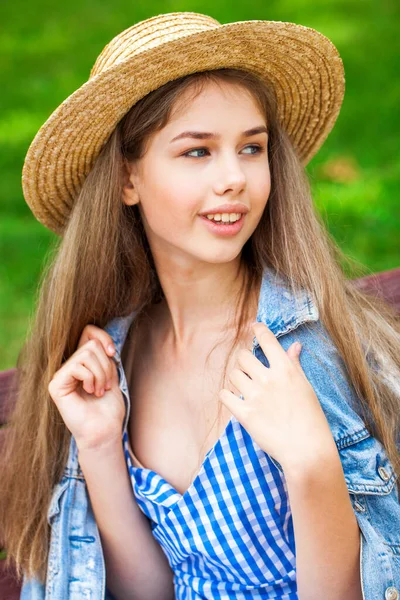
<point>303,66</point>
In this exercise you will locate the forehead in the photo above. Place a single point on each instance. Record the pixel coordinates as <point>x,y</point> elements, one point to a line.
<point>208,97</point>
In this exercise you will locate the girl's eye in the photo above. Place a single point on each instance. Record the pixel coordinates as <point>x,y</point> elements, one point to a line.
<point>258,148</point>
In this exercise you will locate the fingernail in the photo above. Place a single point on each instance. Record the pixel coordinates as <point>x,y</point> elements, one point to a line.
<point>298,346</point>
<point>111,348</point>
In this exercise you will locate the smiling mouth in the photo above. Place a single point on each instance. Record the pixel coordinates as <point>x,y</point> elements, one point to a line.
<point>224,227</point>
<point>232,218</point>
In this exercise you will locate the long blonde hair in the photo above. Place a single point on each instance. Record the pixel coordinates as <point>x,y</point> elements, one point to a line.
<point>102,267</point>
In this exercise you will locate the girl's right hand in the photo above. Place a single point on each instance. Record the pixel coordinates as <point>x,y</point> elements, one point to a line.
<point>94,418</point>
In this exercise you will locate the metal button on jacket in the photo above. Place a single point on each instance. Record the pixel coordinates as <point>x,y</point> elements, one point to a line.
<point>391,593</point>
<point>358,506</point>
<point>383,474</point>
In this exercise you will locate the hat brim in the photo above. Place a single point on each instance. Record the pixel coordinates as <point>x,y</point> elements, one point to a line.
<point>303,66</point>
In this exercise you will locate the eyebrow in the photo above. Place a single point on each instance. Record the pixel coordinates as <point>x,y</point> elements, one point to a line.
<point>203,135</point>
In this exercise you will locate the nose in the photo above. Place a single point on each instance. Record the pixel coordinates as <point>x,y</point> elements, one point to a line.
<point>230,175</point>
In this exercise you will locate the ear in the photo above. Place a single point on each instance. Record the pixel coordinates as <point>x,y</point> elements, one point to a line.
<point>130,195</point>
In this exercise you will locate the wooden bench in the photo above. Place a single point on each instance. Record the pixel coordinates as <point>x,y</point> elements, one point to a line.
<point>386,283</point>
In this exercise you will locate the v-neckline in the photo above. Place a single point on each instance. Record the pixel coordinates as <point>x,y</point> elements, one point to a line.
<point>200,471</point>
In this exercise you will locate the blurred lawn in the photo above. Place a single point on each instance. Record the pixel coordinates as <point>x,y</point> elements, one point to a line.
<point>47,50</point>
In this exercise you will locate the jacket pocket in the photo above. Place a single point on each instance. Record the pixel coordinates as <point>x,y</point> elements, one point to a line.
<point>371,481</point>
<point>367,468</point>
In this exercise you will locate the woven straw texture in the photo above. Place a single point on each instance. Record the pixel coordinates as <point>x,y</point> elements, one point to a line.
<point>302,65</point>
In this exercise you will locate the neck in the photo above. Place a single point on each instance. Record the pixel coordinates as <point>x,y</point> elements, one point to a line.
<point>198,302</point>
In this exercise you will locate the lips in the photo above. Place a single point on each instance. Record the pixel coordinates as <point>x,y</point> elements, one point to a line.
<point>223,229</point>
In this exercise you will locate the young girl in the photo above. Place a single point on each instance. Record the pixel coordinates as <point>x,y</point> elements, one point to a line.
<point>169,438</point>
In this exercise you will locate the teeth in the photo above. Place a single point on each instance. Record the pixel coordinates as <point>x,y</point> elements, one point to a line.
<point>225,217</point>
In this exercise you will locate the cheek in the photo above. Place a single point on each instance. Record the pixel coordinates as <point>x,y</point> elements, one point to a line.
<point>265,180</point>
<point>260,191</point>
<point>174,198</point>
<point>168,211</point>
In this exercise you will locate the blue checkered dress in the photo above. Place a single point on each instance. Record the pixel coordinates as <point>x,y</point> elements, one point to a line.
<point>230,535</point>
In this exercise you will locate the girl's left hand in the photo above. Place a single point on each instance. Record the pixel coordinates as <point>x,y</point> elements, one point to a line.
<point>280,409</point>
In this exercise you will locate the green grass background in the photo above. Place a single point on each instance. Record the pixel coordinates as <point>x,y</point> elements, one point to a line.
<point>47,50</point>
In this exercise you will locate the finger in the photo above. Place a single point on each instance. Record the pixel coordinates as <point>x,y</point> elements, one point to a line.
<point>89,359</point>
<point>250,364</point>
<point>97,348</point>
<point>242,383</point>
<point>91,332</point>
<point>233,403</point>
<point>293,353</point>
<point>269,344</point>
<point>65,380</point>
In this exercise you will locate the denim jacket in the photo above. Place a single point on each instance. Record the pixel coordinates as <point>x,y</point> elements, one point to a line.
<point>76,568</point>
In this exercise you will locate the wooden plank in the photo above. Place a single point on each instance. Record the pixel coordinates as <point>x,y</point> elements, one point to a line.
<point>3,433</point>
<point>385,283</point>
<point>10,587</point>
<point>6,394</point>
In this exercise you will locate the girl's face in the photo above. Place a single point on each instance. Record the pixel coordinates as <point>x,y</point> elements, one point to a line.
<point>181,177</point>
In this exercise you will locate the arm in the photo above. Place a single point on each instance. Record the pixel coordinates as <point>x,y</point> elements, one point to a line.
<point>326,530</point>
<point>136,566</point>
